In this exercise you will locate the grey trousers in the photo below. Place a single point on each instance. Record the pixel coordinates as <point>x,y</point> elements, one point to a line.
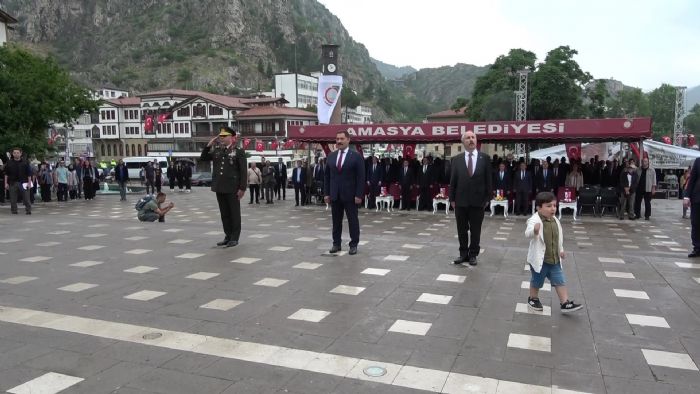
<point>15,189</point>
<point>627,205</point>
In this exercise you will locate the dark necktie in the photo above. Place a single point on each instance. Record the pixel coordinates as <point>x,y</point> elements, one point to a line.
<point>340,160</point>
<point>470,170</point>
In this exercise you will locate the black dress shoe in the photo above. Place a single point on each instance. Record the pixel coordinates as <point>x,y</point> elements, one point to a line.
<point>459,260</point>
<point>231,244</point>
<point>472,260</point>
<point>222,243</point>
<point>353,250</point>
<point>694,253</point>
<point>335,249</point>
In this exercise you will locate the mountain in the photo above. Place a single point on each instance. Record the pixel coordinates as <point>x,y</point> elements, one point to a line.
<point>442,86</point>
<point>225,46</point>
<point>389,71</point>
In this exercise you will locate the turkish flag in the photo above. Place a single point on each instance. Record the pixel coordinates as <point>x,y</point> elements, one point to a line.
<point>246,142</point>
<point>326,148</point>
<point>573,151</point>
<point>289,144</point>
<point>163,117</point>
<point>409,150</point>
<point>389,148</point>
<point>274,144</point>
<point>691,140</point>
<point>259,146</point>
<point>148,126</point>
<point>302,146</point>
<point>666,139</point>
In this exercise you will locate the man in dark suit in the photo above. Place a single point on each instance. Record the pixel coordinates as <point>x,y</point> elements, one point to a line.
<point>388,172</point>
<point>626,187</point>
<point>406,180</point>
<point>375,175</point>
<point>319,175</point>
<point>299,182</point>
<point>471,185</point>
<point>522,186</point>
<point>544,181</point>
<point>426,177</point>
<point>281,179</point>
<point>344,188</point>
<point>691,198</point>
<point>501,179</point>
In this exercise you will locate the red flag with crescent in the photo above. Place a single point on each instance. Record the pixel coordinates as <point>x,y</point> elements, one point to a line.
<point>409,150</point>
<point>326,149</point>
<point>573,151</point>
<point>274,144</point>
<point>259,146</point>
<point>246,142</point>
<point>148,125</point>
<point>163,117</point>
<point>289,144</point>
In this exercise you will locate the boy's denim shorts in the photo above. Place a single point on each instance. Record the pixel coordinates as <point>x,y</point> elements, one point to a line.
<point>551,271</point>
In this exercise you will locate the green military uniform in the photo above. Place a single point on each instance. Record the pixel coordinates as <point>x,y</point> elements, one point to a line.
<point>229,175</point>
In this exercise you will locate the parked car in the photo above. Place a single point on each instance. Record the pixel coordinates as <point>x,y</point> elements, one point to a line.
<point>201,179</point>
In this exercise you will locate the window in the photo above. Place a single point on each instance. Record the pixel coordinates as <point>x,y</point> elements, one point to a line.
<point>459,148</point>
<point>436,148</point>
<point>199,111</point>
<point>127,149</point>
<point>109,150</point>
<point>114,149</point>
<point>187,128</point>
<point>133,150</point>
<point>214,110</point>
<point>145,150</point>
<point>184,111</point>
<point>121,150</point>
<point>139,149</point>
<point>102,150</point>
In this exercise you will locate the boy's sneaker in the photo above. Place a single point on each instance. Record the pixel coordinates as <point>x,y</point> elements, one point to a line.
<point>569,306</point>
<point>535,304</point>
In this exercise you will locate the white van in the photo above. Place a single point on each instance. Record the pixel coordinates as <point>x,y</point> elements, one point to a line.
<point>136,163</point>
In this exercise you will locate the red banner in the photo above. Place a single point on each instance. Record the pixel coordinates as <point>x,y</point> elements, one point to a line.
<point>573,151</point>
<point>259,146</point>
<point>409,150</point>
<point>246,142</point>
<point>541,130</point>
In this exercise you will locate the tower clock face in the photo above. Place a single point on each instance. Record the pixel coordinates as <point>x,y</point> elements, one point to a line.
<point>331,67</point>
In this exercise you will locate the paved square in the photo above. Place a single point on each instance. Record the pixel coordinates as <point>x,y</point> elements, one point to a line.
<point>158,308</point>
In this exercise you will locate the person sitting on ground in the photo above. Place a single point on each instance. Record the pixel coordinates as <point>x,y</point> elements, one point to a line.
<point>150,208</point>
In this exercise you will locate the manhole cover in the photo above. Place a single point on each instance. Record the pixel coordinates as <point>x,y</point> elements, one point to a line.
<point>374,371</point>
<point>152,335</point>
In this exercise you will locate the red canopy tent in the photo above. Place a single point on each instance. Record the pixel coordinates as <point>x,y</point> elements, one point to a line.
<point>564,130</point>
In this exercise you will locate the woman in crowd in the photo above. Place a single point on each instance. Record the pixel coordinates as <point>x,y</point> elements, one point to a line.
<point>254,180</point>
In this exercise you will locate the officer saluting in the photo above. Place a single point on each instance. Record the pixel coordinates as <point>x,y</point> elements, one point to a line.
<point>229,181</point>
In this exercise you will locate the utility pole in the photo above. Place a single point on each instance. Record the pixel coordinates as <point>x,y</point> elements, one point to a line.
<point>521,109</point>
<point>679,114</point>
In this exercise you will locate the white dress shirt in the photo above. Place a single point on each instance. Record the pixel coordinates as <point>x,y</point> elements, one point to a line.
<point>345,155</point>
<point>475,154</point>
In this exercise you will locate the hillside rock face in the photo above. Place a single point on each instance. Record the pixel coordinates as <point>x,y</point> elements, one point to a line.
<point>220,45</point>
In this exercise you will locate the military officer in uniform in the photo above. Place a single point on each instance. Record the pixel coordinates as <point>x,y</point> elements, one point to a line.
<point>229,181</point>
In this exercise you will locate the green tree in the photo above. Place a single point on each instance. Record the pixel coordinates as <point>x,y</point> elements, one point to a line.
<point>629,102</point>
<point>692,121</point>
<point>461,102</point>
<point>34,92</point>
<point>662,103</point>
<point>268,70</point>
<point>557,86</point>
<point>598,97</point>
<point>500,80</point>
<point>261,66</point>
<point>349,98</point>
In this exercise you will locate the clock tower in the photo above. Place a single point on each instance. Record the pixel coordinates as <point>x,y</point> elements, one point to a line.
<point>329,59</point>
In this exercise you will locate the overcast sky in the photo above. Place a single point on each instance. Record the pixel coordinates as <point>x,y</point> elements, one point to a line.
<point>642,43</point>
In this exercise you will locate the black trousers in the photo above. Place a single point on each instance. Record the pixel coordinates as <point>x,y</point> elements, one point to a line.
<point>62,192</point>
<point>230,209</point>
<point>16,190</point>
<point>424,197</point>
<point>469,221</point>
<point>695,225</point>
<point>254,189</point>
<point>281,189</point>
<point>638,204</point>
<point>521,203</point>
<point>299,194</point>
<point>88,188</point>
<point>159,183</point>
<point>374,190</point>
<point>338,208</point>
<point>405,197</point>
<point>45,193</point>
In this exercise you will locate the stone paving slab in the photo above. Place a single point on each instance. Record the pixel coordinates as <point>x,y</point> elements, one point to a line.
<point>81,258</point>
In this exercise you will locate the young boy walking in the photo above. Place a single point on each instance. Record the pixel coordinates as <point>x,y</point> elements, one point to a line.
<point>545,253</point>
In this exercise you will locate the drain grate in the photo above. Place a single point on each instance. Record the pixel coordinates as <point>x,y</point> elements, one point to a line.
<point>152,335</point>
<point>374,371</point>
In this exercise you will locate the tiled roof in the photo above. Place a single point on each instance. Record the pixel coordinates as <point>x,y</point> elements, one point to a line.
<point>125,101</point>
<point>7,18</point>
<point>450,113</point>
<point>226,101</point>
<point>265,100</point>
<point>275,112</point>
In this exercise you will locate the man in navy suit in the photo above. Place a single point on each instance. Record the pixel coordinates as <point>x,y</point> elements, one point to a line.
<point>406,179</point>
<point>691,198</point>
<point>375,175</point>
<point>471,185</point>
<point>544,180</point>
<point>522,186</point>
<point>344,188</point>
<point>501,179</point>
<point>299,182</point>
